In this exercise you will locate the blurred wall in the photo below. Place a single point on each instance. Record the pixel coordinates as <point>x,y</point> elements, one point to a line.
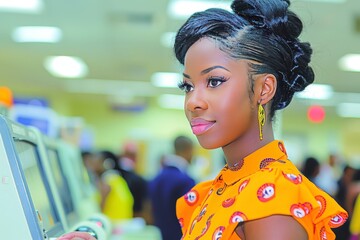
<point>156,127</point>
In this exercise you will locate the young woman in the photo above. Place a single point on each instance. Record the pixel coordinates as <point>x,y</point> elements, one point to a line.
<point>239,68</point>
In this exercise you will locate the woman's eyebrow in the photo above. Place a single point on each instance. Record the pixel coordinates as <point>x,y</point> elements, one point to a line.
<point>207,70</point>
<point>212,68</point>
<point>186,76</point>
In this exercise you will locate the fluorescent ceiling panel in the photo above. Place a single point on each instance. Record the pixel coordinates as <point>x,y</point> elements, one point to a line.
<point>21,6</point>
<point>37,34</point>
<point>316,91</point>
<point>350,62</point>
<point>66,67</point>
<point>166,79</point>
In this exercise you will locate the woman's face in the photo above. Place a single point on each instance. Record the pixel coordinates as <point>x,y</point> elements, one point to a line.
<point>218,102</point>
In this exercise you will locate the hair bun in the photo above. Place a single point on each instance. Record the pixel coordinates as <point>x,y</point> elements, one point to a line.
<point>269,14</point>
<point>275,19</point>
<point>301,73</point>
<point>300,76</point>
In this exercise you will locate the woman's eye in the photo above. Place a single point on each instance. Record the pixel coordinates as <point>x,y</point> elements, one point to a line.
<point>214,82</point>
<point>186,87</point>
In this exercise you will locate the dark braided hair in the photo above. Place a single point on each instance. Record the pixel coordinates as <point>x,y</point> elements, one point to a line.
<point>263,31</point>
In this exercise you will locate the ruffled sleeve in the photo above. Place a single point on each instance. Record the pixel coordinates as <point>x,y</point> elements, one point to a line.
<point>186,205</point>
<point>281,189</point>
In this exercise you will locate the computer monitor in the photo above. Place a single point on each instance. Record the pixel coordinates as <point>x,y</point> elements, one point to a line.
<point>82,191</point>
<point>34,178</point>
<point>61,181</point>
<point>27,204</point>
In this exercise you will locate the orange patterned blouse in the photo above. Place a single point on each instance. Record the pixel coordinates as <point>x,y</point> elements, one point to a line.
<point>266,183</point>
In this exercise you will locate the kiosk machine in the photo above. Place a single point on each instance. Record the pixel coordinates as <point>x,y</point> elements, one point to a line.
<point>35,201</point>
<point>27,204</point>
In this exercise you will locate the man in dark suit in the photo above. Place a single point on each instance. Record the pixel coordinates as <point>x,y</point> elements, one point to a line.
<point>170,184</point>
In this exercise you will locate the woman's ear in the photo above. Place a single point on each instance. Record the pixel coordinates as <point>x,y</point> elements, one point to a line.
<point>267,88</point>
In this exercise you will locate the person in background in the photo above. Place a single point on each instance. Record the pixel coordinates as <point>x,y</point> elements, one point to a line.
<point>353,192</point>
<point>311,169</point>
<point>87,157</point>
<point>116,200</point>
<point>170,184</point>
<point>343,232</point>
<point>129,156</point>
<point>138,186</point>
<point>351,205</point>
<point>126,165</point>
<point>354,226</point>
<point>343,184</point>
<point>241,66</point>
<point>328,176</point>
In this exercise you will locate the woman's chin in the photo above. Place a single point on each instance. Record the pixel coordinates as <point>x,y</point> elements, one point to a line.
<point>206,144</point>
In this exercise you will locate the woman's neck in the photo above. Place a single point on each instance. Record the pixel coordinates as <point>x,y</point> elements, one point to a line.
<point>242,147</point>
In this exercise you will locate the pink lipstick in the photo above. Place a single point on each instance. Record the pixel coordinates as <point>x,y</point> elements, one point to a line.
<point>199,125</point>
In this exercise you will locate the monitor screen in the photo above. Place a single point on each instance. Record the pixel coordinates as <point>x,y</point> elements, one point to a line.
<point>60,180</point>
<point>34,175</point>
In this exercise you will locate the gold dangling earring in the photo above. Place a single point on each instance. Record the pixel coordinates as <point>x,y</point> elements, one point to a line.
<point>261,119</point>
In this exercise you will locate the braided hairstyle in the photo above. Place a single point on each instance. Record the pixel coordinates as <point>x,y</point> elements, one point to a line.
<point>263,31</point>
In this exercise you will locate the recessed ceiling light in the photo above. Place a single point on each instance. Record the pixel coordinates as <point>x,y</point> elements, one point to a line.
<point>316,91</point>
<point>166,79</point>
<point>37,34</point>
<point>350,62</point>
<point>184,8</point>
<point>66,67</point>
<point>23,6</point>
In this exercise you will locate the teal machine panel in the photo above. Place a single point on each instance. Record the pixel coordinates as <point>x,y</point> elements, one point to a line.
<point>27,204</point>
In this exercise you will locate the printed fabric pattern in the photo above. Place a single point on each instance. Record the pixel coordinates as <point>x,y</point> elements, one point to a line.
<point>266,184</point>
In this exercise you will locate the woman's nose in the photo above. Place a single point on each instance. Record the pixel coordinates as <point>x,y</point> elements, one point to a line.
<point>195,100</point>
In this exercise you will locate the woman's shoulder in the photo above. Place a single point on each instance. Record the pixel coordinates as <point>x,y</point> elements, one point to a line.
<point>195,195</point>
<point>280,189</point>
<point>186,205</point>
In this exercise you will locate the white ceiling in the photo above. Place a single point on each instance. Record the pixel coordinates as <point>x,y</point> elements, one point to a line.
<point>120,42</point>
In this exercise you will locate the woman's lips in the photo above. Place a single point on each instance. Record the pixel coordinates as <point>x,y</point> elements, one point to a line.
<point>199,125</point>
